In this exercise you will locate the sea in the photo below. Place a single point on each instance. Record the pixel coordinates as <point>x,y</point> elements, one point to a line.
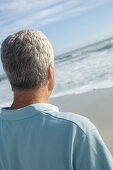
<point>78,71</point>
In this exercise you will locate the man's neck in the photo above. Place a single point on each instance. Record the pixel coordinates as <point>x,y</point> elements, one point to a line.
<point>28,97</point>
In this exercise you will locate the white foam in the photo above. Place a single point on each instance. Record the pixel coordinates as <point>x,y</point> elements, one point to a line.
<point>84,89</point>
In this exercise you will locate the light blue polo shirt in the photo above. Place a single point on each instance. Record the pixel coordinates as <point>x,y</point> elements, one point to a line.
<point>39,137</point>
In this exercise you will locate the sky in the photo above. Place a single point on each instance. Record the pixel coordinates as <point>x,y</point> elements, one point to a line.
<point>68,24</point>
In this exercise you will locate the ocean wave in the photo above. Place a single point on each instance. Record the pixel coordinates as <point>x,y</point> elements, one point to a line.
<point>96,47</point>
<point>84,89</point>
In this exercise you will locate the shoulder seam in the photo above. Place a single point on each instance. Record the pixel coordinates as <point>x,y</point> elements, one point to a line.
<point>66,120</point>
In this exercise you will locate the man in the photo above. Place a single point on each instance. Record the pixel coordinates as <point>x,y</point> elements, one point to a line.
<point>34,135</point>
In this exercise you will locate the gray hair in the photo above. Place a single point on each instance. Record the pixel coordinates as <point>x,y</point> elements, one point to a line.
<point>26,56</point>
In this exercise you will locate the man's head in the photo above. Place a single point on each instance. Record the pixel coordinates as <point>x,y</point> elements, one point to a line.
<point>28,59</point>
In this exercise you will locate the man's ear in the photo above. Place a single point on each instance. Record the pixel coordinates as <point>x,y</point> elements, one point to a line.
<point>51,78</point>
<point>51,72</point>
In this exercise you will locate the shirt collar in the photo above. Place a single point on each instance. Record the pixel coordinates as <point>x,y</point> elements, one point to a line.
<point>27,111</point>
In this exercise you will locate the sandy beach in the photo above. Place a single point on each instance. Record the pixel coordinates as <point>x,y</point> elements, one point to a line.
<point>96,105</point>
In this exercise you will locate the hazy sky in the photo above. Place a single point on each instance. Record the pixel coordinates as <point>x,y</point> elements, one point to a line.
<point>68,24</point>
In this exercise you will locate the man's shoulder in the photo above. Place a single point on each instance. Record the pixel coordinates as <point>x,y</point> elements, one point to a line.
<point>77,120</point>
